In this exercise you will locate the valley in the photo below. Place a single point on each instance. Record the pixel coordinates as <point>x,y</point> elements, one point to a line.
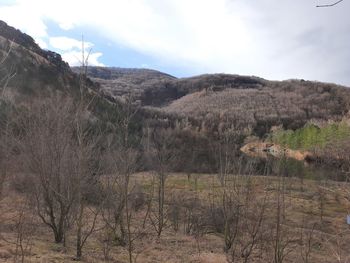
<point>109,164</point>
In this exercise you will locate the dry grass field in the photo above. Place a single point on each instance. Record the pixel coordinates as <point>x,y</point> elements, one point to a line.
<point>302,206</point>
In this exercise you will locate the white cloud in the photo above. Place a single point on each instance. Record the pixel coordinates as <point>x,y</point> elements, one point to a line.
<point>30,16</point>
<point>66,26</point>
<point>74,58</point>
<point>271,39</point>
<point>71,51</point>
<point>93,59</point>
<point>41,43</point>
<point>24,16</point>
<point>66,43</point>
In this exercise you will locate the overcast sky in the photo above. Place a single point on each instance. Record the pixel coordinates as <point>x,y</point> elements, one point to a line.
<point>268,38</point>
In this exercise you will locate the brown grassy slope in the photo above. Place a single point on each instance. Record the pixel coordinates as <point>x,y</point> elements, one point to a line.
<point>301,199</point>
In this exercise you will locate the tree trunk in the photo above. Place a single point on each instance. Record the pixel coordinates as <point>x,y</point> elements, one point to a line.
<point>58,236</point>
<point>79,232</point>
<point>161,204</point>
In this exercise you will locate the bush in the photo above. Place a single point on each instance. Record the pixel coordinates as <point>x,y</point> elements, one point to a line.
<point>311,136</point>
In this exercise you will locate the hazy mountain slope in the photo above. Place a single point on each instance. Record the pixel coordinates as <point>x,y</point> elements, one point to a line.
<point>250,104</point>
<point>161,94</point>
<point>29,74</point>
<point>291,103</point>
<point>154,88</point>
<point>116,82</point>
<point>34,71</point>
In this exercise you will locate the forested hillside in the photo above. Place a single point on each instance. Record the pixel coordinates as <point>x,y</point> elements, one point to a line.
<point>217,102</point>
<point>134,165</point>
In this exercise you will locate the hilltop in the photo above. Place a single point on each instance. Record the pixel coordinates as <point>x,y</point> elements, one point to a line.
<point>252,104</point>
<point>28,71</point>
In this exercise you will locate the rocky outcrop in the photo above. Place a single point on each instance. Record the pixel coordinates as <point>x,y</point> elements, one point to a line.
<point>263,149</point>
<point>26,41</point>
<point>34,71</point>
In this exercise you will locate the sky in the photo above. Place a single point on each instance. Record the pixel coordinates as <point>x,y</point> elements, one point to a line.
<point>272,39</point>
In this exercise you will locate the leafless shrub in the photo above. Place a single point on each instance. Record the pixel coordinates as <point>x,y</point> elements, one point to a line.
<point>307,239</point>
<point>6,74</point>
<point>175,211</point>
<point>336,245</point>
<point>23,229</point>
<point>161,150</point>
<point>126,197</point>
<point>45,142</point>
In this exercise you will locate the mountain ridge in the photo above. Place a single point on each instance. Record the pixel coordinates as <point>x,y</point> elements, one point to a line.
<point>250,103</point>
<point>214,102</point>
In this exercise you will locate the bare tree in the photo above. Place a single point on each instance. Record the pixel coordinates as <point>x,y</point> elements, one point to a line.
<point>306,237</point>
<point>6,140</point>
<point>6,74</point>
<point>281,237</point>
<point>225,154</point>
<point>61,153</point>
<point>87,162</point>
<point>125,162</point>
<point>45,141</point>
<point>62,156</point>
<point>7,71</point>
<point>87,169</point>
<point>244,216</point>
<point>336,244</point>
<point>162,155</point>
<point>24,229</point>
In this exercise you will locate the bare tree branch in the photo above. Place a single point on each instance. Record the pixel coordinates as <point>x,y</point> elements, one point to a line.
<point>329,5</point>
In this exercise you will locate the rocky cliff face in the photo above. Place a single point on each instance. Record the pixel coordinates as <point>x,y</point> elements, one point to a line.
<point>26,41</point>
<point>34,71</point>
<point>263,150</point>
